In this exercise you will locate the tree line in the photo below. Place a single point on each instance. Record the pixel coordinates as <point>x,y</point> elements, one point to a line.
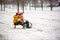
<point>23,2</point>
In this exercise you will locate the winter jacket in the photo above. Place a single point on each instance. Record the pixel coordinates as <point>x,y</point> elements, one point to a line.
<point>21,19</point>
<point>16,19</point>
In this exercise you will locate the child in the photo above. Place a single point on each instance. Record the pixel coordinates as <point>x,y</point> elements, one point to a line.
<point>18,20</point>
<point>22,18</point>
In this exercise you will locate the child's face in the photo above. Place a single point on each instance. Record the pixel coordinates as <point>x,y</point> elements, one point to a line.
<point>17,15</point>
<point>21,15</point>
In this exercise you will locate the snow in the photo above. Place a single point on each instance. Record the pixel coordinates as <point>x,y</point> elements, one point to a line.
<point>46,25</point>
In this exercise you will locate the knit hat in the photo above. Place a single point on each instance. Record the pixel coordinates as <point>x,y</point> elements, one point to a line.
<point>17,13</point>
<point>21,13</point>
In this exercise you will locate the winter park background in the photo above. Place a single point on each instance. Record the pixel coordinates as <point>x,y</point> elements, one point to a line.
<point>45,23</point>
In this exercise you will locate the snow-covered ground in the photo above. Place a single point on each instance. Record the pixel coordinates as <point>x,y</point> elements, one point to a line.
<point>46,25</point>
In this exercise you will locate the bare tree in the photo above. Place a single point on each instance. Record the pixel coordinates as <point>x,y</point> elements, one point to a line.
<point>42,4</point>
<point>1,4</point>
<point>51,1</point>
<point>18,5</point>
<point>4,4</point>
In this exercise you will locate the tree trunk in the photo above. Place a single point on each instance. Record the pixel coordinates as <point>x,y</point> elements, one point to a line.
<point>23,6</point>
<point>1,6</point>
<point>35,4</point>
<point>51,4</point>
<point>4,6</point>
<point>42,4</point>
<point>17,6</point>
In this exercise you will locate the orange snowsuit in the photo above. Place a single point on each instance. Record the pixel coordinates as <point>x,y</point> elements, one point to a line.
<point>21,19</point>
<point>16,19</point>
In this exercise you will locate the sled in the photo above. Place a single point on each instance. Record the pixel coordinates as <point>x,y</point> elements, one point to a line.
<point>24,26</point>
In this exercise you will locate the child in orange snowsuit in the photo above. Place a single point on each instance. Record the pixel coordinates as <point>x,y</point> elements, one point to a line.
<point>18,20</point>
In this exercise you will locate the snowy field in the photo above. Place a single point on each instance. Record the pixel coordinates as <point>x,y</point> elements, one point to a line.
<point>46,25</point>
